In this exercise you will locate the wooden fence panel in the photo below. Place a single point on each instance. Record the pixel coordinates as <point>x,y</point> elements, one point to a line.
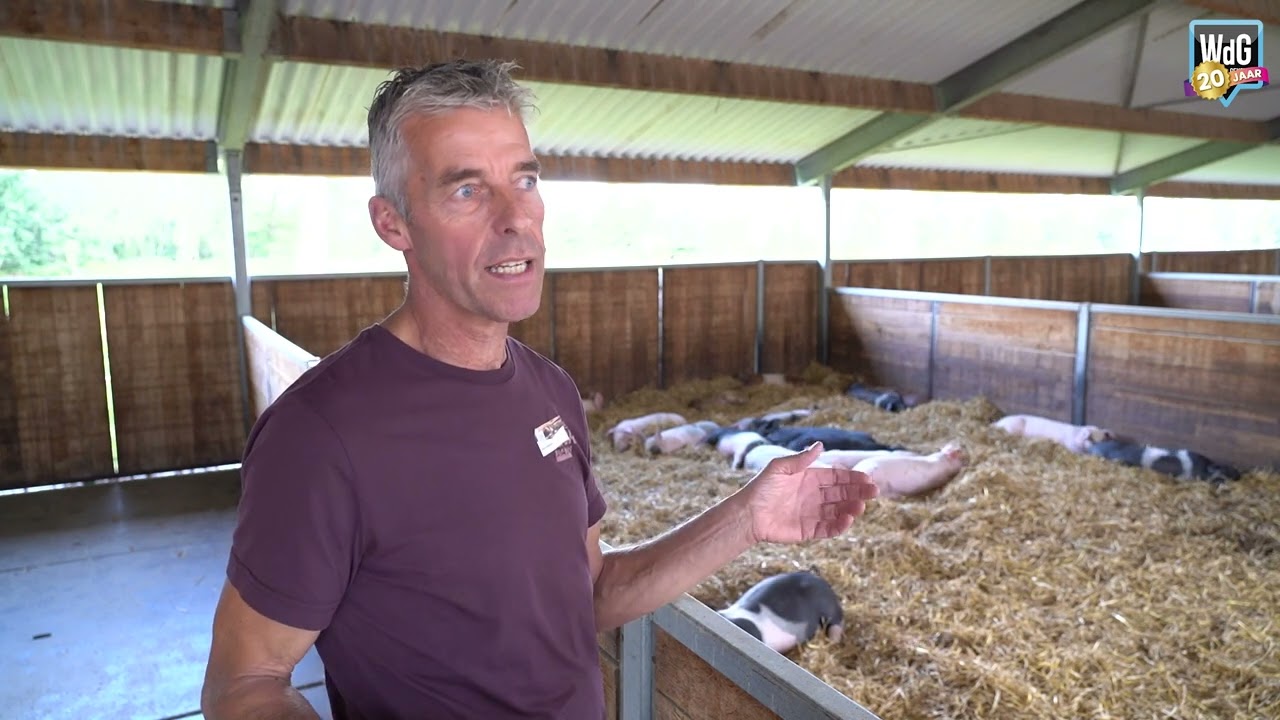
<point>1020,358</point>
<point>606,329</point>
<point>686,687</point>
<point>175,375</point>
<point>1245,262</point>
<point>323,314</point>
<point>884,340</point>
<point>1197,293</point>
<point>790,317</point>
<point>1187,381</point>
<point>709,322</point>
<point>1267,301</point>
<point>1070,278</point>
<point>53,390</point>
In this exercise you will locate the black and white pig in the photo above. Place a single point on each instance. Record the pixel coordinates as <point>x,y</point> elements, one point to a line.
<point>883,398</point>
<point>1182,464</point>
<point>832,438</point>
<point>786,610</point>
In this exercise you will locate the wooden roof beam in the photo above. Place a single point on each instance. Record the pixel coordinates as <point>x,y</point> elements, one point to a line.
<point>1047,42</point>
<point>139,24</point>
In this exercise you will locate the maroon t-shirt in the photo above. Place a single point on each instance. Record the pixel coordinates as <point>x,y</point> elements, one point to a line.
<point>424,519</point>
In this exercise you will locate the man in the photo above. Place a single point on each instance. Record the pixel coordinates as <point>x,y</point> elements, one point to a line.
<point>402,509</point>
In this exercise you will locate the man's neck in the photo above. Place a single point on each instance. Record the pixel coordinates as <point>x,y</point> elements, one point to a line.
<point>431,333</point>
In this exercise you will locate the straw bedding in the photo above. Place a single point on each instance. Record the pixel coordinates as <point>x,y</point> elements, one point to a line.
<point>1037,584</point>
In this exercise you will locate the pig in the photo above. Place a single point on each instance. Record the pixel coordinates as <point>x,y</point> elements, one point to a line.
<point>756,454</point>
<point>889,400</point>
<point>678,438</point>
<point>634,429</point>
<point>905,476</point>
<point>595,403</point>
<point>1076,438</point>
<point>767,422</point>
<point>730,442</point>
<point>799,438</point>
<point>847,459</point>
<point>786,610</point>
<point>1182,464</point>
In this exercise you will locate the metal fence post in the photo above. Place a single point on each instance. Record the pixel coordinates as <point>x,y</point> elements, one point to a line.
<point>635,670</point>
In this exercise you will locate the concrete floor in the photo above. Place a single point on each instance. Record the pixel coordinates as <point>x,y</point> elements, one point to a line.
<point>107,595</point>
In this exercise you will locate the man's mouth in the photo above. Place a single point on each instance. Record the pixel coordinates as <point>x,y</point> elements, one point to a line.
<point>509,268</point>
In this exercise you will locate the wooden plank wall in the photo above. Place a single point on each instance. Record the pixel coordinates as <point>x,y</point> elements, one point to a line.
<point>708,322</point>
<point>1187,382</point>
<point>610,662</point>
<point>884,340</point>
<point>1201,382</point>
<point>1083,278</point>
<point>323,314</point>
<point>686,687</point>
<point>175,375</point>
<point>1020,358</point>
<point>790,317</point>
<point>950,275</point>
<point>53,398</point>
<point>606,329</point>
<point>1245,262</point>
<point>1197,293</point>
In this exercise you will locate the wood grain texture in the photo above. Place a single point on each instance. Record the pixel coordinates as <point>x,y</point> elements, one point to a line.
<point>1185,382</point>
<point>53,390</point>
<point>1197,294</point>
<point>1021,359</point>
<point>1069,278</point>
<point>607,329</point>
<point>323,314</point>
<point>535,331</point>
<point>175,375</point>
<point>609,669</point>
<point>883,340</point>
<point>1244,262</point>
<point>709,322</point>
<point>696,689</point>
<point>790,317</point>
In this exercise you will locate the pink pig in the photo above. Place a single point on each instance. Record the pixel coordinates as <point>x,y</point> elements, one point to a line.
<point>1076,438</point>
<point>900,476</point>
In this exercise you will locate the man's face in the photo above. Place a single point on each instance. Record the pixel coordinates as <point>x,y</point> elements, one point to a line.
<point>475,227</point>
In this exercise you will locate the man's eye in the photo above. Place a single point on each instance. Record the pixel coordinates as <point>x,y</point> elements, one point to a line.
<point>467,191</point>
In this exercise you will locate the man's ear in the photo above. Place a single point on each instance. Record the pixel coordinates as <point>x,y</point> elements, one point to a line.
<point>389,224</point>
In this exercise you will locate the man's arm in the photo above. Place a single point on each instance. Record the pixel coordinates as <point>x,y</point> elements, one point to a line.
<point>634,581</point>
<point>788,501</point>
<point>251,662</point>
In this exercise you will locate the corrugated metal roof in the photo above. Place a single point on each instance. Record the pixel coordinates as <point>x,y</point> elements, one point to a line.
<point>58,87</point>
<point>1142,149</point>
<point>911,40</point>
<point>950,130</point>
<point>1067,151</point>
<point>1097,71</point>
<point>322,105</point>
<point>1254,166</point>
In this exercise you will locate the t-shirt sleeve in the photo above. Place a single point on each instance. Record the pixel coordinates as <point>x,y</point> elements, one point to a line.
<point>596,504</point>
<point>296,543</point>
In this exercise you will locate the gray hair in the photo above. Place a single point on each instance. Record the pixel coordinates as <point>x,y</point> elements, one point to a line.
<point>428,90</point>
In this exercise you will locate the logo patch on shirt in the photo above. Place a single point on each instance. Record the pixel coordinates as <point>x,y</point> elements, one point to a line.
<point>551,435</point>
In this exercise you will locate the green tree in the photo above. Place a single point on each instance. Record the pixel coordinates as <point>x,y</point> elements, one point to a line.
<point>33,233</point>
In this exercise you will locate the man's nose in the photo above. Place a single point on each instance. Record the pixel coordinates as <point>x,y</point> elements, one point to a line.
<point>514,212</point>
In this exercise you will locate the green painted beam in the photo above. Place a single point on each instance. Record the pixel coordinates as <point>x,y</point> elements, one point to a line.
<point>244,79</point>
<point>1176,164</point>
<point>863,140</point>
<point>1042,44</point>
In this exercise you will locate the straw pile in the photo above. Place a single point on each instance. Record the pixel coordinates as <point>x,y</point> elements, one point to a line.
<point>1037,584</point>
